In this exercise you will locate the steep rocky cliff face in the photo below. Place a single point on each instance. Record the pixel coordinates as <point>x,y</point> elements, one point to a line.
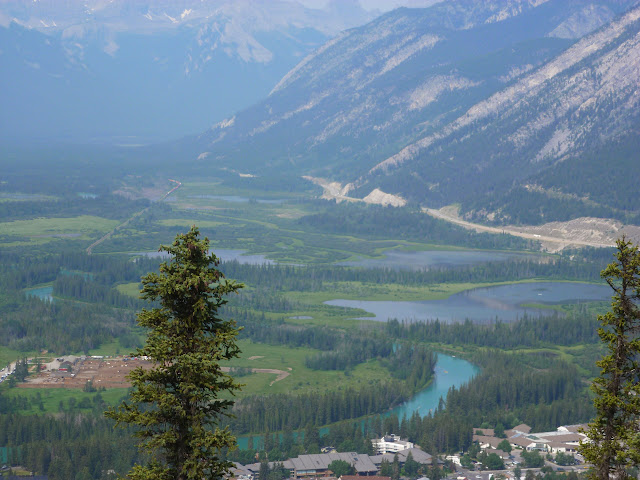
<point>585,99</point>
<point>447,103</point>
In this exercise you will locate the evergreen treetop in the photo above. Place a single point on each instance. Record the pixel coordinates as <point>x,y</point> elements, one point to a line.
<point>176,404</point>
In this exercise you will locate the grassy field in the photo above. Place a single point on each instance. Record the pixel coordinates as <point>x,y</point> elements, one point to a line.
<point>50,398</point>
<point>185,223</point>
<point>8,355</point>
<point>131,289</point>
<point>254,355</point>
<point>26,197</point>
<point>111,349</point>
<point>42,231</point>
<point>394,292</point>
<point>58,226</point>
<point>301,378</point>
<point>582,356</point>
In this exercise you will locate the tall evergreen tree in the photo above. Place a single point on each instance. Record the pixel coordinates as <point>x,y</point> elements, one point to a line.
<point>614,437</point>
<point>176,404</point>
<point>395,468</point>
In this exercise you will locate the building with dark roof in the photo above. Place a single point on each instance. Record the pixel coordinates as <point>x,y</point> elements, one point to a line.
<point>317,465</point>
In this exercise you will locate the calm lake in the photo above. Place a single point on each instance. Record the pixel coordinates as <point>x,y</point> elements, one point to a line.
<point>399,260</point>
<point>482,305</point>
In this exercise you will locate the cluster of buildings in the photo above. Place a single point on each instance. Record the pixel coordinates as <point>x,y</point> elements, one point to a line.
<point>565,439</point>
<point>317,465</point>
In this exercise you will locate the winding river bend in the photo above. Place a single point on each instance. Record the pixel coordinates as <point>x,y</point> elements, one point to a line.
<point>450,372</point>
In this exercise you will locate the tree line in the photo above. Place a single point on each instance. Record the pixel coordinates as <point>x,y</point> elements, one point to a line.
<point>576,328</point>
<point>67,446</point>
<point>276,412</point>
<point>408,223</point>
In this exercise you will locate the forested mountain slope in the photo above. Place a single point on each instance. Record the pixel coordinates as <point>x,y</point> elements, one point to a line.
<point>541,133</point>
<point>450,103</point>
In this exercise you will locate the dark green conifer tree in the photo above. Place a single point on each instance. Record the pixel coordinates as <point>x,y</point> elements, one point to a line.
<point>614,435</point>
<point>176,405</point>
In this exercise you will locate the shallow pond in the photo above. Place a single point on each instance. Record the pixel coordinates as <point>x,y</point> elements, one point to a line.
<point>400,260</point>
<point>482,305</point>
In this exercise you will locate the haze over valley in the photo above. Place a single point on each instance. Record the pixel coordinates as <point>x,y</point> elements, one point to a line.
<point>418,197</point>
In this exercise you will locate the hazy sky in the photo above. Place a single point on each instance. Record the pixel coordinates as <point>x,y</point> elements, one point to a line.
<point>382,5</point>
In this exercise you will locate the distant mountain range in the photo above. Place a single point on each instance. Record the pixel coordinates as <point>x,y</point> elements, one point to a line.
<point>152,69</point>
<point>519,110</point>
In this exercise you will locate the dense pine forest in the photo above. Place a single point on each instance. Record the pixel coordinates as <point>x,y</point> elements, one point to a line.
<point>346,375</point>
<point>324,295</point>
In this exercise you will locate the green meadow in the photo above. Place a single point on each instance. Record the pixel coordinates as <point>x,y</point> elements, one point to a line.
<point>83,224</point>
<point>300,378</point>
<point>49,400</point>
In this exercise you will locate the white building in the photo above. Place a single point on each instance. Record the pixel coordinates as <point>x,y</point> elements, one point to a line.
<point>390,444</point>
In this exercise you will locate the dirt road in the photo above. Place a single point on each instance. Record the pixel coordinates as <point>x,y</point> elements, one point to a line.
<point>126,222</point>
<point>281,373</point>
<point>552,242</point>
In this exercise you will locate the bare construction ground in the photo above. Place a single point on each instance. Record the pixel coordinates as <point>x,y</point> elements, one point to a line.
<point>554,236</point>
<point>107,373</point>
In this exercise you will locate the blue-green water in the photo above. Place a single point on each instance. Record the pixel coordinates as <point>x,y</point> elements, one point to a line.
<point>450,372</point>
<point>46,292</point>
<point>43,293</point>
<point>482,305</point>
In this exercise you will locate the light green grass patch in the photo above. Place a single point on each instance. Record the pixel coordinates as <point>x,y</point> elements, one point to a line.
<point>58,226</point>
<point>394,292</point>
<point>8,356</point>
<point>112,349</point>
<point>582,356</point>
<point>24,197</point>
<point>300,379</point>
<point>215,187</point>
<point>184,222</point>
<point>51,397</point>
<point>130,289</point>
